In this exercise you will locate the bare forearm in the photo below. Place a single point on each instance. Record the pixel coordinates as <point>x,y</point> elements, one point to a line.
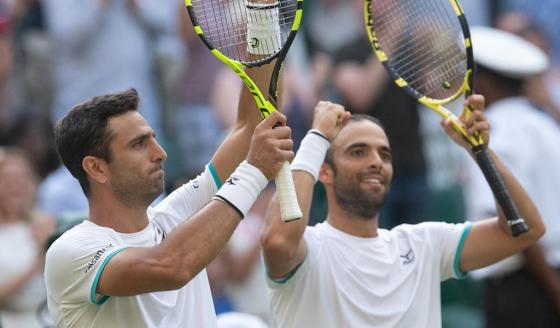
<point>283,243</point>
<point>523,201</point>
<point>491,240</point>
<point>179,258</point>
<point>234,149</point>
<point>196,242</point>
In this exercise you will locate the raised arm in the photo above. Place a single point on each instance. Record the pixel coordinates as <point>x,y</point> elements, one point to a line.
<point>197,241</point>
<point>283,245</point>
<point>234,148</point>
<point>491,240</point>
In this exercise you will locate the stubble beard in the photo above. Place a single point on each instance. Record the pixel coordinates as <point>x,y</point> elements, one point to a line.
<point>134,191</point>
<point>362,204</point>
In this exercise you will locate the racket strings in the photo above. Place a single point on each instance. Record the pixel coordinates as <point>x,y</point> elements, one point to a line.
<point>423,43</point>
<point>224,24</point>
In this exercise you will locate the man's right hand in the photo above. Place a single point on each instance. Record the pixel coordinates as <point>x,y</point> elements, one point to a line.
<point>271,146</point>
<point>329,118</point>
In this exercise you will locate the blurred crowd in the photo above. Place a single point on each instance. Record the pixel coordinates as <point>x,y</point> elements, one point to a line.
<point>57,53</point>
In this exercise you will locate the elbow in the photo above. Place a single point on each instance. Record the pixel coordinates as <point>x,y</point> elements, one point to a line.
<point>540,230</point>
<point>537,229</point>
<point>173,274</point>
<point>277,247</point>
<point>537,226</point>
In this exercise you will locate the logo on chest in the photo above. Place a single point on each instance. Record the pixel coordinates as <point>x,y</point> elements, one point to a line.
<point>407,257</point>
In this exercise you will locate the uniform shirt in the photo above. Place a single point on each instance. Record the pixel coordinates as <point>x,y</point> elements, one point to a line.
<point>392,280</point>
<point>528,142</point>
<point>76,260</point>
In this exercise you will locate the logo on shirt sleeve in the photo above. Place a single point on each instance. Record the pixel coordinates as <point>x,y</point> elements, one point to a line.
<point>97,256</point>
<point>408,257</point>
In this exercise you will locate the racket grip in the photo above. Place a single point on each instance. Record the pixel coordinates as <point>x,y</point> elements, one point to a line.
<point>286,193</point>
<point>488,167</point>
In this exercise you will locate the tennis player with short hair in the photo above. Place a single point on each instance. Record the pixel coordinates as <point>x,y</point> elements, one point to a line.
<point>128,265</point>
<point>346,272</point>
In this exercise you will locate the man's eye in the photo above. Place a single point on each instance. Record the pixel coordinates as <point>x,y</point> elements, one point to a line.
<point>386,156</point>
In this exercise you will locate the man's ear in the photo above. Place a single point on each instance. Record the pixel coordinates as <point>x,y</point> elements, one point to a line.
<point>96,168</point>
<point>326,174</point>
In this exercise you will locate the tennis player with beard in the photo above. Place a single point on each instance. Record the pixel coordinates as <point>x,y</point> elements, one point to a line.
<point>131,265</point>
<point>347,272</point>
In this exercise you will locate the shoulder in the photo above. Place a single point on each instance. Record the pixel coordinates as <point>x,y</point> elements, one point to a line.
<point>80,240</point>
<point>314,233</point>
<point>429,230</point>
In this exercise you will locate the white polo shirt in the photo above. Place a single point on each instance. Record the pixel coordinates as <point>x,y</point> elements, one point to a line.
<point>76,260</point>
<point>392,280</point>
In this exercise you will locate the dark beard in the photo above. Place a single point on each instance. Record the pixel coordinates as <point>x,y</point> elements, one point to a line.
<point>355,201</point>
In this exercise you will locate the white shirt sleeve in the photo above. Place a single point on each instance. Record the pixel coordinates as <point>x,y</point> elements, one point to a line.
<point>73,266</point>
<point>186,200</point>
<point>447,242</point>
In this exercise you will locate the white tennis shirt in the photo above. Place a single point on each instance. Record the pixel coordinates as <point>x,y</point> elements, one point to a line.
<point>76,260</point>
<point>392,280</point>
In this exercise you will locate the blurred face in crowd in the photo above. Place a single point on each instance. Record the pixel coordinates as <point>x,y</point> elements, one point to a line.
<point>18,184</point>
<point>6,55</point>
<point>361,170</point>
<point>136,166</point>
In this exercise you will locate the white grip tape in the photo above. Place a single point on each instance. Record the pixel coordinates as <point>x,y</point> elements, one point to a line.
<point>242,188</point>
<point>263,29</point>
<point>286,193</point>
<point>311,153</point>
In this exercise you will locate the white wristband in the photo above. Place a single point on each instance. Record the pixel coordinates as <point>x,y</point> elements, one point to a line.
<point>263,29</point>
<point>242,188</point>
<point>311,153</point>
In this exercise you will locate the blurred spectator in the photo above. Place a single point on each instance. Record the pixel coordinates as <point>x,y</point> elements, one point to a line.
<point>59,194</point>
<point>321,22</point>
<point>22,228</point>
<point>33,74</point>
<point>170,61</point>
<point>543,89</point>
<point>103,46</point>
<point>528,142</point>
<point>33,133</point>
<point>546,13</point>
<point>196,113</point>
<point>6,64</point>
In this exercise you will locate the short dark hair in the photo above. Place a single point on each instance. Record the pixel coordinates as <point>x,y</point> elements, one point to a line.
<point>354,118</point>
<point>84,131</point>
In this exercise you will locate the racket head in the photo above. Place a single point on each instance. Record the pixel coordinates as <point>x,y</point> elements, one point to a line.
<point>425,47</point>
<point>222,26</point>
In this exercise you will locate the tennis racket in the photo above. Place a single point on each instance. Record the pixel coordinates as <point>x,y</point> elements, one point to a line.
<point>425,46</point>
<point>250,33</point>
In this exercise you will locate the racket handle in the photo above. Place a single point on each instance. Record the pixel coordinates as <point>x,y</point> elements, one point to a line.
<point>488,167</point>
<point>286,192</point>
